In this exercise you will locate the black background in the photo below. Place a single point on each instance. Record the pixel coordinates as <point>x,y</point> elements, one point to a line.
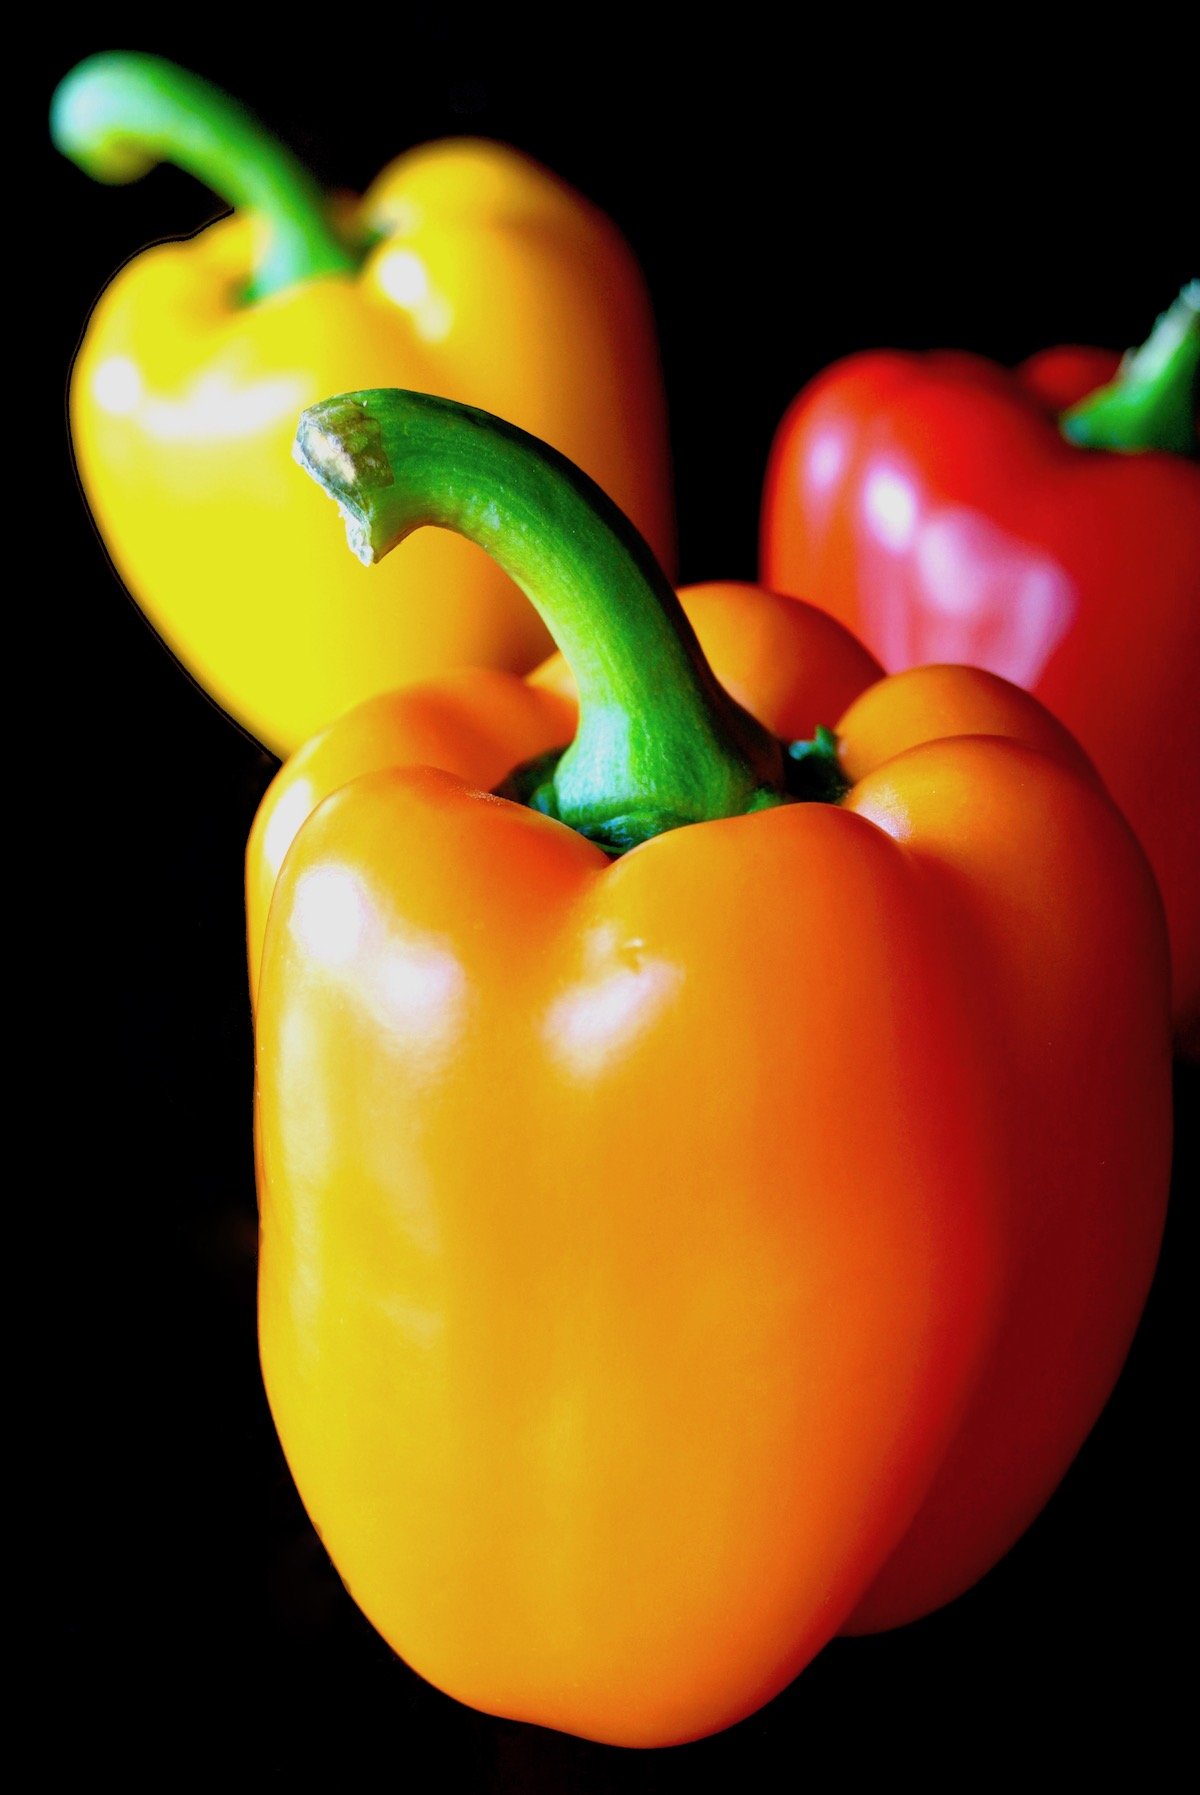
<point>789,203</point>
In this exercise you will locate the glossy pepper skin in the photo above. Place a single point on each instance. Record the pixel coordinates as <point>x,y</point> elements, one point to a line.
<point>944,509</point>
<point>471,272</point>
<point>653,1240</point>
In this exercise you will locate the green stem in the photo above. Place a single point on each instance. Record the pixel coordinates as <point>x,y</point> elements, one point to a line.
<point>659,742</point>
<point>118,115</point>
<point>1152,402</point>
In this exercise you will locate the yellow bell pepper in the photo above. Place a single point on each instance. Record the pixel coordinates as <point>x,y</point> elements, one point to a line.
<point>467,271</point>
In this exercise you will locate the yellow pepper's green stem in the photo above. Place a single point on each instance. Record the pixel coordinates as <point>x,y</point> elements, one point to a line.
<point>118,115</point>
<point>660,743</point>
<point>1152,402</point>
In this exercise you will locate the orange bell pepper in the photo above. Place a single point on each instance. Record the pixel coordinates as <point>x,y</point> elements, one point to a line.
<point>680,1243</point>
<point>467,269</point>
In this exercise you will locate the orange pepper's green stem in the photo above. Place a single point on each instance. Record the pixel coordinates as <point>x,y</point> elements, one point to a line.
<point>660,743</point>
<point>118,115</point>
<point>1152,402</point>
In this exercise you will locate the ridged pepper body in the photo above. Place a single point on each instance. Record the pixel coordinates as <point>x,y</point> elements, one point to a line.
<point>669,1262</point>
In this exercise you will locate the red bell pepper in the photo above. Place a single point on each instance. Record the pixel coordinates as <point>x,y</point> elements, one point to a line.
<point>1042,523</point>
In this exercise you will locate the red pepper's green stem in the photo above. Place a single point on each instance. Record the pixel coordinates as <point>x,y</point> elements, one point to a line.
<point>118,115</point>
<point>659,742</point>
<point>1152,402</point>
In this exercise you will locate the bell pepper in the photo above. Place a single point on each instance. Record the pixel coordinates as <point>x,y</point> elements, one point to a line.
<point>467,269</point>
<point>710,1166</point>
<point>1044,524</point>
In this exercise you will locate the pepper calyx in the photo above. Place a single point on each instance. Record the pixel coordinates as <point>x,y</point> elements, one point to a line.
<point>660,744</point>
<point>1151,404</point>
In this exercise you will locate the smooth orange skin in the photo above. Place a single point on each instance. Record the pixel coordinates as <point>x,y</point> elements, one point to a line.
<point>660,1257</point>
<point>1069,976</point>
<point>481,719</point>
<point>491,283</point>
<point>484,724</point>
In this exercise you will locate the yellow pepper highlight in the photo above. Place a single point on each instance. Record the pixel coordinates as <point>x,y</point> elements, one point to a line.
<point>488,281</point>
